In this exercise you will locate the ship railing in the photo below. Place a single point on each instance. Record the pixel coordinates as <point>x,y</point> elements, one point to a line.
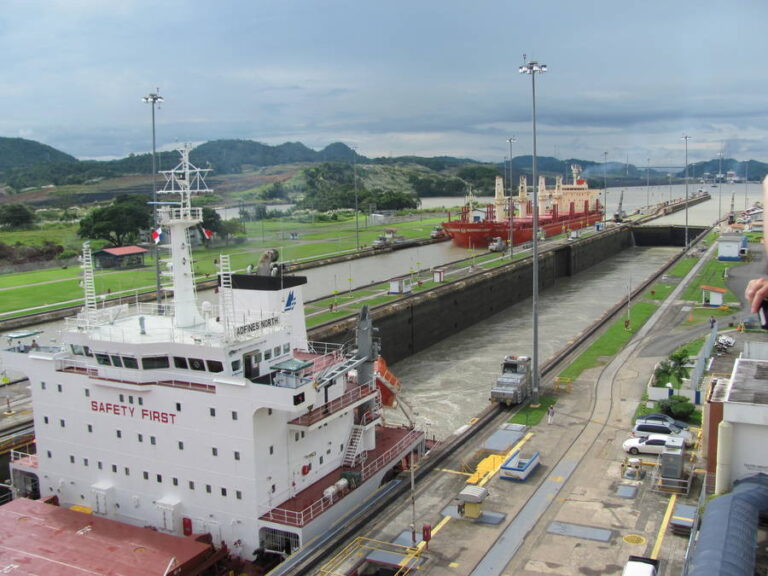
<point>325,348</point>
<point>24,458</point>
<point>306,515</point>
<point>107,315</point>
<point>125,334</point>
<point>173,379</point>
<point>323,355</point>
<point>300,517</point>
<point>326,410</point>
<point>182,214</point>
<point>75,365</point>
<point>370,468</point>
<point>21,438</point>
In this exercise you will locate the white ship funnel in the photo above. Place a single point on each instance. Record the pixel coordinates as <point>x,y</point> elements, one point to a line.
<point>263,303</point>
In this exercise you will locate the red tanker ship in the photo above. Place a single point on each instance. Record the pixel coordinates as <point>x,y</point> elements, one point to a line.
<point>561,209</point>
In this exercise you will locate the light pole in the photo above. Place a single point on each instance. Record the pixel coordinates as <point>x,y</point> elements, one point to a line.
<point>154,98</point>
<point>686,138</point>
<point>669,180</point>
<point>357,222</point>
<point>605,188</point>
<point>720,188</point>
<point>648,186</point>
<point>511,140</point>
<point>533,68</point>
<point>746,182</point>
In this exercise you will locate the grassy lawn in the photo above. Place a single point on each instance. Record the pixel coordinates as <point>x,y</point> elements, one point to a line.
<point>659,291</point>
<point>682,267</point>
<point>532,416</point>
<point>611,341</point>
<point>712,273</point>
<point>58,284</point>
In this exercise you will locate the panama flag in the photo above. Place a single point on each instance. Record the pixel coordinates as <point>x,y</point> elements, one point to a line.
<point>157,235</point>
<point>207,233</point>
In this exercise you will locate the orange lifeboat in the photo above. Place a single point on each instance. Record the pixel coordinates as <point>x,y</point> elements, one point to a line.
<point>387,383</point>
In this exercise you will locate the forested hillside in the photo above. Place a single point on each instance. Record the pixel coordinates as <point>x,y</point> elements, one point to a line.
<point>25,165</point>
<point>19,153</point>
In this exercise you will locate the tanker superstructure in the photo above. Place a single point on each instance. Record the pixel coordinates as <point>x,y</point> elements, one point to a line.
<point>220,419</point>
<point>562,208</point>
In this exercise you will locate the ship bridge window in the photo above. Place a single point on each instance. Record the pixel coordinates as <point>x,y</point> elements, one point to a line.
<point>286,348</point>
<point>267,354</point>
<point>154,362</point>
<point>214,366</point>
<point>130,362</point>
<point>77,349</point>
<point>277,351</point>
<point>180,362</point>
<point>103,359</point>
<point>117,361</point>
<point>196,364</point>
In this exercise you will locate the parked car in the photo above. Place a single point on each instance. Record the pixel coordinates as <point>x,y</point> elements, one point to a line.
<point>639,566</point>
<point>645,429</point>
<point>666,418</point>
<point>653,444</point>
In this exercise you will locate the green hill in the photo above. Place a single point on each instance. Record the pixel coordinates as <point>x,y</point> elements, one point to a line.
<point>20,153</point>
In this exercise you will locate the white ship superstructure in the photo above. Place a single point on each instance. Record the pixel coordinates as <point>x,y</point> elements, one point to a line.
<point>220,419</point>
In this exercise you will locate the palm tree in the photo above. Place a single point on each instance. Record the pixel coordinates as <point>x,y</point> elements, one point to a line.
<point>663,371</point>
<point>679,369</point>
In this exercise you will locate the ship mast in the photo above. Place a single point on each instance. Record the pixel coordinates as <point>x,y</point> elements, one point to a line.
<point>179,217</point>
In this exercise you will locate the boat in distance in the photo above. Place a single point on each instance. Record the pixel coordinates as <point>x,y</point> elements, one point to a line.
<point>209,419</point>
<point>562,208</point>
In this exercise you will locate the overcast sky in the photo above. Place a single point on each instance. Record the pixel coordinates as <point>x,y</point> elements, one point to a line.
<point>394,77</point>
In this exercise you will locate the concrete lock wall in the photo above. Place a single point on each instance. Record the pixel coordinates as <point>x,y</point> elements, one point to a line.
<point>416,322</point>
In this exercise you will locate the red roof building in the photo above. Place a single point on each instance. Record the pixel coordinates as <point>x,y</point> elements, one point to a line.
<point>120,257</point>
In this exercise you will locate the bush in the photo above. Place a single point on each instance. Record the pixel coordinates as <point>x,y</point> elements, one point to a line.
<point>679,407</point>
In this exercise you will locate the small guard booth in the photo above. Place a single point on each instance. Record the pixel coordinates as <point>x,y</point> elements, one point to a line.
<point>732,247</point>
<point>401,285</point>
<point>712,296</point>
<point>120,257</point>
<point>470,501</point>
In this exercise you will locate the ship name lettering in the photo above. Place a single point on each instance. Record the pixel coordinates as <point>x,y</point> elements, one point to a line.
<point>255,326</point>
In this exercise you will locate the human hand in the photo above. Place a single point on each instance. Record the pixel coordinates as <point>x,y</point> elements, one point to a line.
<point>756,292</point>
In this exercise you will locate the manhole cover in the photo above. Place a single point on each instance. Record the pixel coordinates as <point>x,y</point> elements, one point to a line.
<point>634,539</point>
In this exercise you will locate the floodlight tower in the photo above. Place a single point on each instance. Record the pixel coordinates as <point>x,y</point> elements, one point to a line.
<point>532,68</point>
<point>686,138</point>
<point>154,98</point>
